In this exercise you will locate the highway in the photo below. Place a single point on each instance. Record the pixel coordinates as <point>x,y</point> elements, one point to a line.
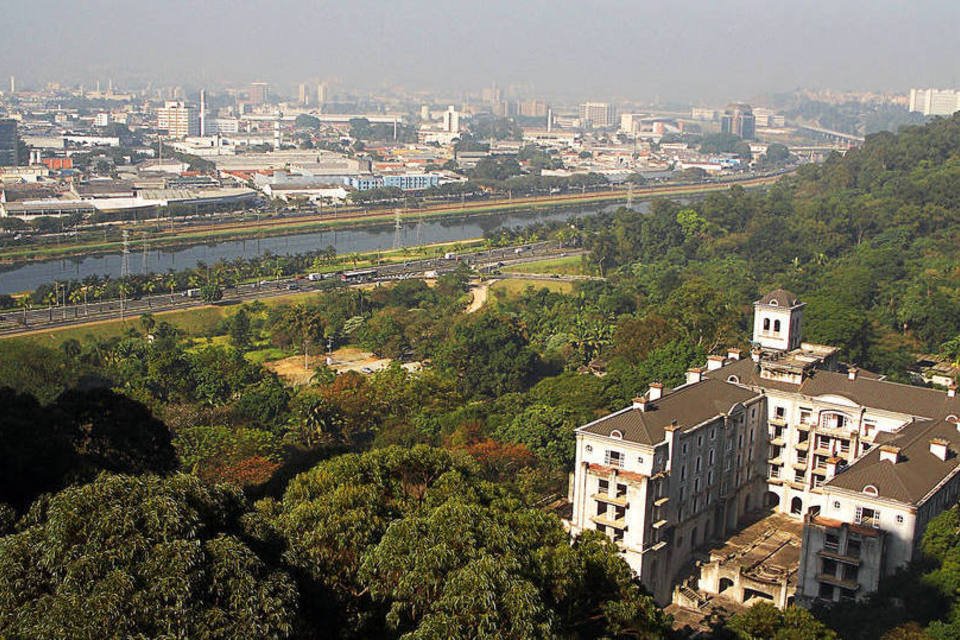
<point>17,322</point>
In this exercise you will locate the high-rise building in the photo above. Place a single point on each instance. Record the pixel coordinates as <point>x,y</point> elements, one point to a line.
<point>935,102</point>
<point>739,120</point>
<point>13,85</point>
<point>303,97</point>
<point>9,142</point>
<point>258,92</point>
<point>451,120</point>
<point>598,114</point>
<point>178,119</point>
<point>203,112</point>
<point>321,94</point>
<point>533,109</point>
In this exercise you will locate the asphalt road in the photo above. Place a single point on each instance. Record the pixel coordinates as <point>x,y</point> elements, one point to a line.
<point>15,322</point>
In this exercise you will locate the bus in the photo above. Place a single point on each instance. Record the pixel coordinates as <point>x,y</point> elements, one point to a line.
<point>358,276</point>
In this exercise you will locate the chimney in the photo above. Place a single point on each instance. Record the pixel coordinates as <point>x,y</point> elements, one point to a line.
<point>852,373</point>
<point>889,453</point>
<point>640,403</point>
<point>733,354</point>
<point>939,448</point>
<point>714,362</point>
<point>669,436</point>
<point>952,391</point>
<point>694,375</point>
<point>833,464</point>
<point>655,392</point>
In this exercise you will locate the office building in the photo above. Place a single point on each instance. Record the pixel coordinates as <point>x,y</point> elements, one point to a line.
<point>9,143</point>
<point>843,470</point>
<point>257,93</point>
<point>598,114</point>
<point>178,119</point>
<point>303,95</point>
<point>321,94</point>
<point>935,102</point>
<point>451,120</point>
<point>533,109</point>
<point>739,120</point>
<point>101,120</point>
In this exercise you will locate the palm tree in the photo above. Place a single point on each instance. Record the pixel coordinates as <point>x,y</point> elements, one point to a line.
<point>50,299</point>
<point>124,288</point>
<point>25,303</point>
<point>77,296</point>
<point>149,287</point>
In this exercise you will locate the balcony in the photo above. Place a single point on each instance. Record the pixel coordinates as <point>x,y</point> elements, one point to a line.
<point>803,426</point>
<point>775,461</point>
<point>620,523</point>
<point>835,432</point>
<point>849,585</point>
<point>802,446</point>
<point>603,497</point>
<point>778,442</point>
<point>820,471</point>
<point>839,557</point>
<point>659,524</point>
<point>773,480</point>
<point>659,502</point>
<point>777,422</point>
<point>800,465</point>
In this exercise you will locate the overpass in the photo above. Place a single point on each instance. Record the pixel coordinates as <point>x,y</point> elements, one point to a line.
<point>830,134</point>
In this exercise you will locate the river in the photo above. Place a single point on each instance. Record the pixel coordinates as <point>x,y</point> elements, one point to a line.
<point>381,237</point>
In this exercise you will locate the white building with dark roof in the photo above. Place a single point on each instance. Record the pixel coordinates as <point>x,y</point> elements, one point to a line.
<point>861,462</point>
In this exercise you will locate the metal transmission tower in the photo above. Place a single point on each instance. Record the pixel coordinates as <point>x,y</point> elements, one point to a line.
<point>398,230</point>
<point>125,265</point>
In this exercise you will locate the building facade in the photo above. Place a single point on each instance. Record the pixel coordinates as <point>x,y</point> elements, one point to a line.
<point>739,120</point>
<point>935,102</point>
<point>9,143</point>
<point>178,119</point>
<point>598,114</point>
<point>860,463</point>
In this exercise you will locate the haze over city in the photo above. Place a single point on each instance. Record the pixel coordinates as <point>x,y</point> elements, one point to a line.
<point>639,51</point>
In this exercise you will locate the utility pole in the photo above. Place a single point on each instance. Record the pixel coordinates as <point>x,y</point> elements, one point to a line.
<point>397,229</point>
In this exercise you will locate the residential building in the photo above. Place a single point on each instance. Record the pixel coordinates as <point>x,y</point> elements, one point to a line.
<point>9,143</point>
<point>303,95</point>
<point>739,120</point>
<point>412,181</point>
<point>178,119</point>
<point>935,102</point>
<point>861,465</point>
<point>598,114</point>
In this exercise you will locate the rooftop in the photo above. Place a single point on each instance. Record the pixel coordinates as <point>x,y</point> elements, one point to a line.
<point>688,406</point>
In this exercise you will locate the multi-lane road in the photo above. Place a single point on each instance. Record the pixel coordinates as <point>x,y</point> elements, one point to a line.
<point>16,322</point>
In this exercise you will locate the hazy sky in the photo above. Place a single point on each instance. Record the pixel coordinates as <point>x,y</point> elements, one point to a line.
<point>710,50</point>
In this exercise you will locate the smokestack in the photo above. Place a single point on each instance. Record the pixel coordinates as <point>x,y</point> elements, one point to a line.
<point>13,85</point>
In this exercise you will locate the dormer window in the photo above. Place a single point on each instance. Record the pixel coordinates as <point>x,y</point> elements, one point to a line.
<point>871,490</point>
<point>618,435</point>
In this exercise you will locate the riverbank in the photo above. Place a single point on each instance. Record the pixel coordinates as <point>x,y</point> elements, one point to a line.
<point>158,238</point>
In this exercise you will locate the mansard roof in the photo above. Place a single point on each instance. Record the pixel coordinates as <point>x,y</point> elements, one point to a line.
<point>688,406</point>
<point>916,473</point>
<point>780,298</point>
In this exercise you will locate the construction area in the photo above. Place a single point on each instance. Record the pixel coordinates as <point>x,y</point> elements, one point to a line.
<point>760,562</point>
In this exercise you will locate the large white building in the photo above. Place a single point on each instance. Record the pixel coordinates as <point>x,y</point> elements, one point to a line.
<point>598,114</point>
<point>935,102</point>
<point>862,463</point>
<point>178,119</point>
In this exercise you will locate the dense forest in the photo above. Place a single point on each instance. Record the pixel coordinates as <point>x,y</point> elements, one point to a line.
<point>161,484</point>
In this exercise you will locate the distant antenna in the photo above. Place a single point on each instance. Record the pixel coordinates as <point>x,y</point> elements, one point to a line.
<point>125,265</point>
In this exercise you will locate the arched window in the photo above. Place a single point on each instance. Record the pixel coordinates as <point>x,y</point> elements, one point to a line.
<point>766,324</point>
<point>733,379</point>
<point>776,326</point>
<point>870,490</point>
<point>796,506</point>
<point>616,434</point>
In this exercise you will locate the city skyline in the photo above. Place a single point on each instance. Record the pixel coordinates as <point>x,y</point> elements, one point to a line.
<point>646,51</point>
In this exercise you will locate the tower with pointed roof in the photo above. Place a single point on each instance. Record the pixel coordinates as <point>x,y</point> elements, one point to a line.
<point>777,319</point>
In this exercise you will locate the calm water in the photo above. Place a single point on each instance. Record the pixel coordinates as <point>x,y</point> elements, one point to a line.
<point>32,275</point>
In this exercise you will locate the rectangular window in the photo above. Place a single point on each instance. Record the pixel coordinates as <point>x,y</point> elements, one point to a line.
<point>780,412</point>
<point>613,458</point>
<point>798,476</point>
<point>621,490</point>
<point>831,542</point>
<point>620,513</point>
<point>868,517</point>
<point>826,591</point>
<point>710,457</point>
<point>603,486</point>
<point>601,508</point>
<point>853,548</point>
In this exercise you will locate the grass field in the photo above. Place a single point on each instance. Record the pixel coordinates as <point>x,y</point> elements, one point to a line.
<point>567,266</point>
<point>513,288</point>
